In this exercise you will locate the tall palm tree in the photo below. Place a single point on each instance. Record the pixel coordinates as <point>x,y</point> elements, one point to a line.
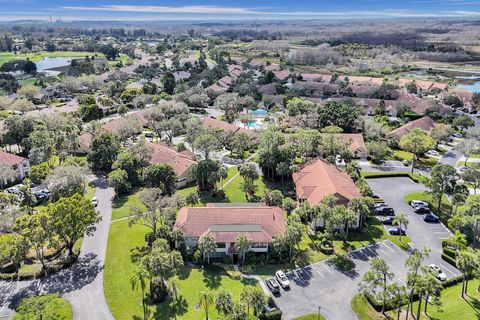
<point>206,300</point>
<point>173,288</point>
<point>243,245</point>
<point>139,281</point>
<point>362,207</point>
<point>206,245</point>
<point>402,221</point>
<point>458,239</point>
<point>466,263</point>
<point>222,174</point>
<point>177,235</point>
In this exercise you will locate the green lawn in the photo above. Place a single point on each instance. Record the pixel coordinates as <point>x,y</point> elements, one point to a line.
<point>453,306</point>
<point>233,190</point>
<point>49,306</point>
<point>469,164</point>
<point>363,309</point>
<point>312,316</point>
<point>125,303</point>
<point>90,193</point>
<point>425,161</point>
<point>122,204</point>
<point>424,196</point>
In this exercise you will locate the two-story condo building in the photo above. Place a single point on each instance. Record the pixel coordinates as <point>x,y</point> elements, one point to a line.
<point>226,222</point>
<point>19,164</point>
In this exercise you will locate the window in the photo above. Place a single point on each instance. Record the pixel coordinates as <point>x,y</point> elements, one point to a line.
<point>259,245</point>
<point>221,245</point>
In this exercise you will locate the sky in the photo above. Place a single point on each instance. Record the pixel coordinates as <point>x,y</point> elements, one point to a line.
<point>144,10</point>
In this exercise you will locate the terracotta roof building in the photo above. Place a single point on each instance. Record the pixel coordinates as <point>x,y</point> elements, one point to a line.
<point>318,178</point>
<point>424,123</point>
<point>19,164</point>
<point>226,222</point>
<point>355,143</point>
<point>181,162</point>
<point>210,123</point>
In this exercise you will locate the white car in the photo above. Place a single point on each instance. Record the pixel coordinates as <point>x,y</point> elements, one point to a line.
<point>437,272</point>
<point>95,201</point>
<point>282,279</point>
<point>418,203</point>
<point>433,152</point>
<point>457,135</point>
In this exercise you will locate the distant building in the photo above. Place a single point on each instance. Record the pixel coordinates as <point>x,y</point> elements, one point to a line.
<point>226,222</point>
<point>19,164</point>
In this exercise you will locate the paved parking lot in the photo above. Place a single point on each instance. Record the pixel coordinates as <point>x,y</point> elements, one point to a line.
<point>429,235</point>
<point>323,285</point>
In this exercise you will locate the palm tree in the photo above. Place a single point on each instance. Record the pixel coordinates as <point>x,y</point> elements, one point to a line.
<point>259,300</point>
<point>431,288</point>
<point>247,297</point>
<point>283,169</point>
<point>224,302</point>
<point>402,221</point>
<point>242,244</point>
<point>139,281</point>
<point>466,263</point>
<point>362,207</point>
<point>173,288</point>
<point>458,239</point>
<point>222,174</point>
<point>206,245</point>
<point>177,236</point>
<point>206,300</point>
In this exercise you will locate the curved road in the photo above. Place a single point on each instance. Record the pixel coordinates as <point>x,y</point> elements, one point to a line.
<point>81,284</point>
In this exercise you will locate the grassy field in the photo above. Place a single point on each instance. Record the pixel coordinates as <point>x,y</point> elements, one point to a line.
<point>363,309</point>
<point>50,306</point>
<point>7,56</point>
<point>424,161</point>
<point>125,303</point>
<point>424,196</point>
<point>453,306</point>
<point>122,204</point>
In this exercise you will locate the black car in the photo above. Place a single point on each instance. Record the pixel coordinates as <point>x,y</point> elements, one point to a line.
<point>388,220</point>
<point>272,284</point>
<point>396,231</point>
<point>431,218</point>
<point>422,210</point>
<point>384,211</point>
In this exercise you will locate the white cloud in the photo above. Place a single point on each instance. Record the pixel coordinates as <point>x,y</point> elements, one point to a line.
<point>159,9</point>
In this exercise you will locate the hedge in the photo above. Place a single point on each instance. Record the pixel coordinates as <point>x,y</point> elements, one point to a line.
<point>449,259</point>
<point>373,175</point>
<point>272,315</point>
<point>49,269</point>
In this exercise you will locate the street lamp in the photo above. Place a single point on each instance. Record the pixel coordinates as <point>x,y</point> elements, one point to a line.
<point>318,316</point>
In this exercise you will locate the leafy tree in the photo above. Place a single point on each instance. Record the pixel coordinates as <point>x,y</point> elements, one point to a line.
<point>229,103</point>
<point>417,142</point>
<point>241,143</point>
<point>118,179</point>
<point>307,142</point>
<point>89,112</point>
<point>206,245</point>
<point>442,181</point>
<point>453,100</point>
<point>104,150</point>
<point>467,147</point>
<point>36,230</point>
<point>7,175</point>
<point>297,106</point>
<point>191,198</point>
<point>338,114</point>
<point>72,218</point>
<point>273,198</point>
<point>463,122</point>
<point>288,204</point>
<point>149,87</point>
<point>159,210</point>
<point>224,302</point>
<point>193,129</point>
<point>110,52</point>
<point>441,133</point>
<point>161,176</point>
<point>38,173</point>
<point>402,220</point>
<point>378,150</point>
<point>259,301</point>
<point>206,301</point>
<point>472,176</point>
<point>293,233</point>
<point>239,312</point>
<point>66,180</point>
<point>206,144</point>
<point>377,278</point>
<point>169,83</point>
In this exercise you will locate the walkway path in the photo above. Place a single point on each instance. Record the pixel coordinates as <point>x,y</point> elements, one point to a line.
<point>81,284</point>
<point>238,173</point>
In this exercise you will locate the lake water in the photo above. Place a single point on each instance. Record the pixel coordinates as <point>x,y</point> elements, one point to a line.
<point>474,87</point>
<point>49,63</point>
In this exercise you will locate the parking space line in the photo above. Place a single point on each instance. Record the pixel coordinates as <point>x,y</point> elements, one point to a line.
<point>326,268</point>
<point>447,269</point>
<point>402,282</point>
<point>383,251</point>
<point>388,247</point>
<point>307,272</point>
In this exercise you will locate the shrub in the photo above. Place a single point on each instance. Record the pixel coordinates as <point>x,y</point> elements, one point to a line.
<point>271,315</point>
<point>449,259</point>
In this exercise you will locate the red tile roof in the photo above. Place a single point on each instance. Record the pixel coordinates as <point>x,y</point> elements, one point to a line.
<point>225,126</point>
<point>425,123</point>
<point>355,141</point>
<point>259,224</point>
<point>318,178</point>
<point>10,159</point>
<point>181,162</point>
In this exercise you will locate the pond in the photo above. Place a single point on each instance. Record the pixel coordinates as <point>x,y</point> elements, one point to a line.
<point>48,63</point>
<point>473,86</point>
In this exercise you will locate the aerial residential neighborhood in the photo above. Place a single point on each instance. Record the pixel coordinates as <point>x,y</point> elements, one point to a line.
<point>260,160</point>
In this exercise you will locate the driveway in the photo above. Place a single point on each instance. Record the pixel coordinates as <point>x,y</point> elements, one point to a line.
<point>323,285</point>
<point>81,284</point>
<point>389,166</point>
<point>422,234</point>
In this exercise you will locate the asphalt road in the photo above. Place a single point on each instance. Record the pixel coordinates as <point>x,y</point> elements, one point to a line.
<point>422,234</point>
<point>82,283</point>
<point>323,285</point>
